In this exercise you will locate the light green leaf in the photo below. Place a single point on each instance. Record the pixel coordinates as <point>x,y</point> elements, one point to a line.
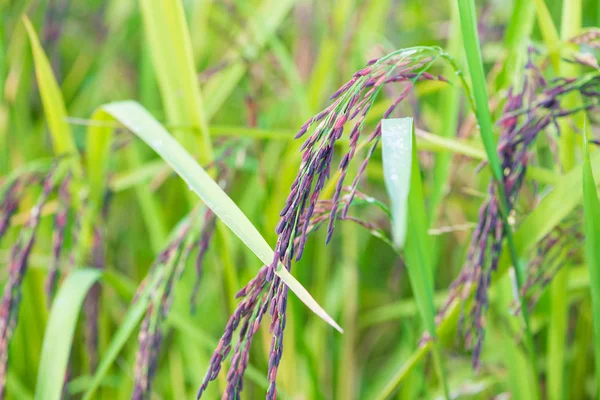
<point>549,31</point>
<point>97,154</point>
<point>58,337</point>
<point>591,213</point>
<point>54,106</point>
<point>397,161</point>
<point>171,50</point>
<point>140,122</point>
<point>409,220</point>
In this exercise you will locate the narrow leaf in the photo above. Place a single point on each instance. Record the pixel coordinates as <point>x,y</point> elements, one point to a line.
<point>591,212</point>
<point>54,106</point>
<point>58,337</point>
<point>397,160</point>
<point>171,50</point>
<point>548,30</point>
<point>409,220</point>
<point>140,122</point>
<point>97,154</point>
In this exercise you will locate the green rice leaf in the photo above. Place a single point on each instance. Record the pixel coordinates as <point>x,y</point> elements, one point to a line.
<point>54,105</point>
<point>468,22</point>
<point>409,219</point>
<point>591,213</point>
<point>397,161</point>
<point>98,140</point>
<point>171,50</point>
<point>58,337</point>
<point>549,31</point>
<point>140,122</point>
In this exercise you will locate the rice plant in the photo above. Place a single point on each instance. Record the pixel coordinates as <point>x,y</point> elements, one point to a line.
<point>285,199</point>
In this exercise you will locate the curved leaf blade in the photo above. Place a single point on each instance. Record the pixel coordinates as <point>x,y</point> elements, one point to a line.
<point>58,337</point>
<point>54,105</point>
<point>139,121</point>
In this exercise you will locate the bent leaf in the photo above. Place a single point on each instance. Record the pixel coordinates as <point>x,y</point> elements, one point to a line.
<point>54,105</point>
<point>139,121</point>
<point>58,337</point>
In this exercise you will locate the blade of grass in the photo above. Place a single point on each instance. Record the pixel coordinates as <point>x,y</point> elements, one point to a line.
<point>549,32</point>
<point>152,214</point>
<point>409,220</point>
<point>517,37</point>
<point>140,122</point>
<point>98,141</point>
<point>171,51</point>
<point>450,106</point>
<point>58,337</point>
<point>468,21</point>
<point>347,383</point>
<point>4,153</point>
<point>54,106</point>
<point>581,363</point>
<point>567,146</point>
<point>591,212</point>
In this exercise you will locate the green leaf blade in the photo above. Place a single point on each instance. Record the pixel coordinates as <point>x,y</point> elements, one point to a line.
<point>171,51</point>
<point>54,105</point>
<point>140,122</point>
<point>59,333</point>
<point>397,161</point>
<point>409,220</point>
<point>591,213</point>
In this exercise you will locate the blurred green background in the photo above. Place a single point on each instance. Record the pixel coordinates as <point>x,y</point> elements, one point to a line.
<point>263,68</point>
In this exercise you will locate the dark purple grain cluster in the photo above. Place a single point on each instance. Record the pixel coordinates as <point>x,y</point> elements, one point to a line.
<point>9,203</point>
<point>245,321</point>
<point>265,292</point>
<point>551,254</point>
<point>58,237</point>
<point>527,113</point>
<point>149,340</point>
<point>91,306</point>
<point>164,274</point>
<point>206,234</point>
<point>17,267</point>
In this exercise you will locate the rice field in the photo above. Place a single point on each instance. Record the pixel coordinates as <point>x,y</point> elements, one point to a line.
<point>294,199</point>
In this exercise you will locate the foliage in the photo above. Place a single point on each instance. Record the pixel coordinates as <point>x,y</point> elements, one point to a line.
<point>175,221</point>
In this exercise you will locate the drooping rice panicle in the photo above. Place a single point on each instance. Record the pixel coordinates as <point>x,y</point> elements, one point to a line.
<point>204,241</point>
<point>9,204</point>
<point>11,192</point>
<point>58,237</point>
<point>9,308</point>
<point>528,112</point>
<point>552,253</point>
<point>91,306</point>
<point>266,292</point>
<point>164,274</point>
